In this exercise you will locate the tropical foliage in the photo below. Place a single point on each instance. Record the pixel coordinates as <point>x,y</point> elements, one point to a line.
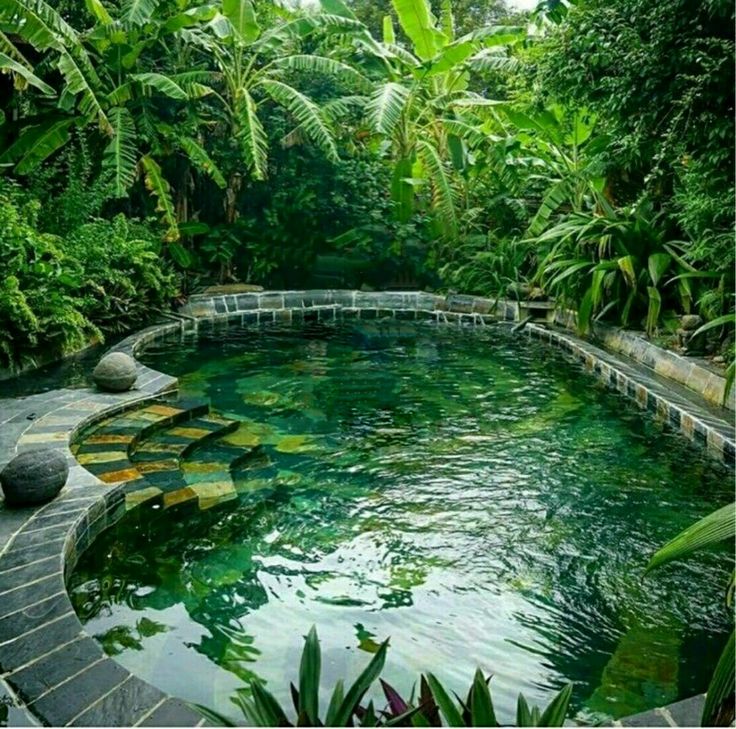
<point>713,529</point>
<point>432,707</point>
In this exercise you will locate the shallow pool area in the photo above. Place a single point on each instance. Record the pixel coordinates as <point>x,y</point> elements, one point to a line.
<point>472,495</point>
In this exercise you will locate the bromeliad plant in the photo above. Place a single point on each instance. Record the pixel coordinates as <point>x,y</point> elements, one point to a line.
<point>433,706</point>
<point>713,529</point>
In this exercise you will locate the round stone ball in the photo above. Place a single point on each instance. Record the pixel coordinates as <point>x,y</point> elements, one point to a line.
<point>115,372</point>
<point>690,322</point>
<point>34,477</point>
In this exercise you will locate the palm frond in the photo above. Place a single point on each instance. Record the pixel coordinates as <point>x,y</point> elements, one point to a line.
<point>491,60</point>
<point>157,185</point>
<point>714,528</point>
<point>386,106</point>
<point>252,135</point>
<point>120,155</point>
<point>443,196</point>
<point>163,84</point>
<point>18,69</point>
<point>305,111</point>
<point>38,142</point>
<point>199,157</point>
<point>321,64</point>
<point>138,12</point>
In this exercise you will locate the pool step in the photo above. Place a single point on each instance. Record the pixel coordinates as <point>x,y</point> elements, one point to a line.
<point>161,459</point>
<point>105,449</point>
<point>144,449</point>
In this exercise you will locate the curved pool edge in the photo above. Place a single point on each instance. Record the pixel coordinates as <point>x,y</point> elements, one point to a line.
<point>56,671</point>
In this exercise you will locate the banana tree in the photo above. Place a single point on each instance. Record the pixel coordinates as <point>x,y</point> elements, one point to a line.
<point>111,84</point>
<point>419,105</point>
<point>254,66</point>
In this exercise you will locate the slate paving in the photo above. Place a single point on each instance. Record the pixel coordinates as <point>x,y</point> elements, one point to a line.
<point>128,448</point>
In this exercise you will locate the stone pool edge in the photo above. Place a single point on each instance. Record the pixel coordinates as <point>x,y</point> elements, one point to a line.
<point>58,673</point>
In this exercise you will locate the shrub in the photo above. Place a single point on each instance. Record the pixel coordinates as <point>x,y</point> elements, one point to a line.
<point>58,294</point>
<point>122,278</point>
<point>346,707</point>
<point>37,304</point>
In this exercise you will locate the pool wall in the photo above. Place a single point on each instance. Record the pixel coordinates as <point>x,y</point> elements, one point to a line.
<point>51,670</point>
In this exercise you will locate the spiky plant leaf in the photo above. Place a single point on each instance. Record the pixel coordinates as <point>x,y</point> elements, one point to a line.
<point>200,159</point>
<point>386,106</point>
<point>716,527</point>
<point>305,111</point>
<point>355,693</point>
<point>252,135</point>
<point>443,196</point>
<point>446,705</point>
<point>309,676</point>
<point>481,703</point>
<point>16,68</point>
<point>139,12</point>
<point>556,711</point>
<point>120,155</point>
<point>157,185</point>
<point>523,714</point>
<point>338,694</point>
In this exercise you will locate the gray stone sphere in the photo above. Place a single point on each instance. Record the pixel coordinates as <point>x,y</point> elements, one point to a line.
<point>115,372</point>
<point>33,477</point>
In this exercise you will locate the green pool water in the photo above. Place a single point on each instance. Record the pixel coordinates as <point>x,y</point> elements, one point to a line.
<point>474,496</point>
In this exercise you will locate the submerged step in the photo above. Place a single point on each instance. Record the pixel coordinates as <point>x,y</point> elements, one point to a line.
<point>143,448</point>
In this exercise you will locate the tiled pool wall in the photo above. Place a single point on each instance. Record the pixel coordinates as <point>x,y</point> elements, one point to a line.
<point>50,668</point>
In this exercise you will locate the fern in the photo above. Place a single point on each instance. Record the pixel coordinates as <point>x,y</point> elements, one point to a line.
<point>157,185</point>
<point>199,157</point>
<point>121,155</point>
<point>305,111</point>
<point>443,196</point>
<point>386,106</point>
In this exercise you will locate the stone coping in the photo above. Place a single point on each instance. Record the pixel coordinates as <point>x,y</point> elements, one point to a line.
<point>50,668</point>
<point>687,371</point>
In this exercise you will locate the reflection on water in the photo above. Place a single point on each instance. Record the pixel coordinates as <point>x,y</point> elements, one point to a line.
<point>467,494</point>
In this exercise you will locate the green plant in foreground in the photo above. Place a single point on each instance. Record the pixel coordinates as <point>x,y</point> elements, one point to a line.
<point>712,529</point>
<point>433,707</point>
